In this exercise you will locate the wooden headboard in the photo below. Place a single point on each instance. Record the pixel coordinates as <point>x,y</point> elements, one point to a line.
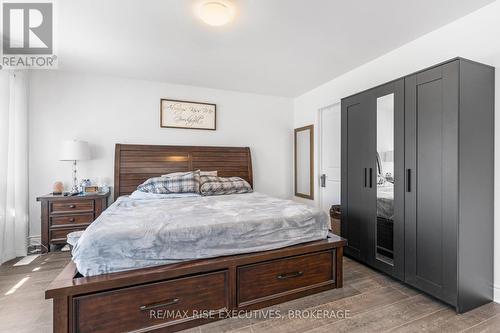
<point>136,163</point>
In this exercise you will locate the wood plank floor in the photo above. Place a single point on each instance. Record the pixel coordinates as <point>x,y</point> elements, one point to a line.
<point>369,302</point>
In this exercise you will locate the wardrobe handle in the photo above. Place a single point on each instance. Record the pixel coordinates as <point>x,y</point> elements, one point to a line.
<point>371,177</point>
<point>408,180</point>
<point>365,177</point>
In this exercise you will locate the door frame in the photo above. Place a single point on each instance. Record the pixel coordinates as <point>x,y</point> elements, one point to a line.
<point>320,150</point>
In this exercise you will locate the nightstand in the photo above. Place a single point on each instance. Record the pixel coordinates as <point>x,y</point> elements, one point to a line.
<point>62,215</point>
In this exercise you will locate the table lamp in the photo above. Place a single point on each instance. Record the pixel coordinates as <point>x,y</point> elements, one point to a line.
<point>74,150</point>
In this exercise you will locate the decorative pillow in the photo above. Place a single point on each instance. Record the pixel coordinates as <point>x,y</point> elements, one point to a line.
<point>202,173</point>
<point>187,182</point>
<point>211,185</point>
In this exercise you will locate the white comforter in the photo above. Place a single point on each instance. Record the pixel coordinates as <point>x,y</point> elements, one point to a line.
<point>140,233</point>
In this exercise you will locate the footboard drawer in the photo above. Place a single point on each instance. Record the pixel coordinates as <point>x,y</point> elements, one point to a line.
<point>277,278</point>
<point>153,305</point>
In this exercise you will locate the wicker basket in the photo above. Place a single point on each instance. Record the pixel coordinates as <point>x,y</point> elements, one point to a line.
<point>335,219</point>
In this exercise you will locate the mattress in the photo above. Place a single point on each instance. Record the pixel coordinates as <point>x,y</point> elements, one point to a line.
<point>133,234</point>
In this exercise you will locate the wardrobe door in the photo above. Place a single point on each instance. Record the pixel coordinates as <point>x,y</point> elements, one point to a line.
<point>355,171</point>
<point>386,232</point>
<point>431,200</point>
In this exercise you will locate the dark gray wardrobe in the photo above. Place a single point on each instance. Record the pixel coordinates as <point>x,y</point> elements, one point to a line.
<point>417,180</point>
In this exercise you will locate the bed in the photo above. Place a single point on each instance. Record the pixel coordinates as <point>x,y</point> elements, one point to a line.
<point>205,281</point>
<point>138,233</point>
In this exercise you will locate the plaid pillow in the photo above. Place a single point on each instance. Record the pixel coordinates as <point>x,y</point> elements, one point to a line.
<point>211,185</point>
<point>188,182</point>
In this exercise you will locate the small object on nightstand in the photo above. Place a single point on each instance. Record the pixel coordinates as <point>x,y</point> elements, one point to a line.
<point>63,214</point>
<point>104,188</point>
<point>58,188</point>
<point>91,189</point>
<point>84,183</point>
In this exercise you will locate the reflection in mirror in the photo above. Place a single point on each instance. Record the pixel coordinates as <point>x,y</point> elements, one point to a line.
<point>304,186</point>
<point>385,179</point>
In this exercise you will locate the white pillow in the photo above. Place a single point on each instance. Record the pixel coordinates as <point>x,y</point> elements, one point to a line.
<point>202,173</point>
<point>139,195</point>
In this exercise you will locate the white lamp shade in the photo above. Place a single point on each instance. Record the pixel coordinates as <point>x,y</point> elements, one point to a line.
<point>73,150</point>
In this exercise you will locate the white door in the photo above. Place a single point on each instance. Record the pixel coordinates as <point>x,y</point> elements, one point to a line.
<point>329,159</point>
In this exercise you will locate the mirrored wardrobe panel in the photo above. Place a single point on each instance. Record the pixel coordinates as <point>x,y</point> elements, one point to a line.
<point>387,229</point>
<point>385,179</point>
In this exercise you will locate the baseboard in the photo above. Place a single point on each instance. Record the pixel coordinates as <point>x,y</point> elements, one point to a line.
<point>496,293</point>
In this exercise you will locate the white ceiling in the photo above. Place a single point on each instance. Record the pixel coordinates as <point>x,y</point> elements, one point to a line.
<point>277,47</point>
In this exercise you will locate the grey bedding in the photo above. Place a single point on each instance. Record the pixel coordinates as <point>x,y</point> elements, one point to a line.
<point>133,234</point>
<point>385,201</point>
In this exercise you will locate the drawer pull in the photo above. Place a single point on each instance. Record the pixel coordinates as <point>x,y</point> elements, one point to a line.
<point>159,305</point>
<point>72,219</point>
<point>285,276</point>
<point>71,206</point>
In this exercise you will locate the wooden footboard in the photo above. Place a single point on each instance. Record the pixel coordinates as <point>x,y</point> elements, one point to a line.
<point>173,297</point>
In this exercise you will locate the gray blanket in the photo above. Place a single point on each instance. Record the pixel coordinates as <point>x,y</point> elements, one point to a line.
<point>133,234</point>
<point>385,201</point>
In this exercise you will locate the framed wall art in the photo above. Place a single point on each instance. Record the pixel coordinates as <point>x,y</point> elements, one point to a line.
<point>189,115</point>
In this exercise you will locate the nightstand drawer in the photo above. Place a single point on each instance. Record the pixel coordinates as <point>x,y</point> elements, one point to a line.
<point>70,220</point>
<point>77,206</point>
<point>58,236</point>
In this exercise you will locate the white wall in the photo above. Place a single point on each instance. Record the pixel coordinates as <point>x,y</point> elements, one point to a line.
<point>475,36</point>
<point>105,110</point>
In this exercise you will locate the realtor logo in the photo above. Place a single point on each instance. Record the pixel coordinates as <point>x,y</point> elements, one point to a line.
<point>27,28</point>
<point>27,31</point>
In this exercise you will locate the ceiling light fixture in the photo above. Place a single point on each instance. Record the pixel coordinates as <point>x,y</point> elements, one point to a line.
<point>216,13</point>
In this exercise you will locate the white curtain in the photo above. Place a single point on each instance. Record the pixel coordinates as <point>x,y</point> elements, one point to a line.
<point>13,164</point>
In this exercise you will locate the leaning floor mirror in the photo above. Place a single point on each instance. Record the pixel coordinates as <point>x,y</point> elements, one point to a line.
<point>304,162</point>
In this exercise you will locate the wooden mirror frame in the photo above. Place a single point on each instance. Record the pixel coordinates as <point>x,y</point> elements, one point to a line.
<point>311,161</point>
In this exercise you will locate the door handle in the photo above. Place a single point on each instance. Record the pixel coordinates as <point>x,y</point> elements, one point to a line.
<point>323,180</point>
<point>365,177</point>
<point>408,180</point>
